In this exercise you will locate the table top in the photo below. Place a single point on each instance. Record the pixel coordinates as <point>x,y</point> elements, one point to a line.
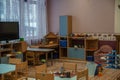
<point>40,49</point>
<point>59,78</point>
<point>45,46</point>
<point>5,68</point>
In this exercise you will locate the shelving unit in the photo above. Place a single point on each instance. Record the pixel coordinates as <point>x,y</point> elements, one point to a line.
<point>75,47</point>
<point>10,48</point>
<point>5,49</point>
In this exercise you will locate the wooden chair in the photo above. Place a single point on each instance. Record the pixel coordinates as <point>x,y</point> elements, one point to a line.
<point>40,69</point>
<point>22,70</point>
<point>12,75</point>
<point>70,66</point>
<point>15,60</point>
<point>82,74</point>
<point>31,57</point>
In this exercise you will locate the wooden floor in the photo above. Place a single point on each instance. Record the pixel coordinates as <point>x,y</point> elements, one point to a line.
<point>109,74</point>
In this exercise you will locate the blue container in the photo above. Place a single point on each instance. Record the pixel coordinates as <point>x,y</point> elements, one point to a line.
<point>63,43</point>
<point>55,55</point>
<point>90,58</point>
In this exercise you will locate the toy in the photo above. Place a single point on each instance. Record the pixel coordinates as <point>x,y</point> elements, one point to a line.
<point>113,60</point>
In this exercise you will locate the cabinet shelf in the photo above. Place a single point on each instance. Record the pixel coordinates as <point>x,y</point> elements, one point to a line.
<point>91,49</point>
<point>76,47</point>
<point>63,47</point>
<point>5,50</point>
<point>77,37</point>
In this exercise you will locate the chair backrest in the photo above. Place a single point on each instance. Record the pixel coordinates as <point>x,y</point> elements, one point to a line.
<point>82,74</point>
<point>70,66</point>
<point>45,76</point>
<point>41,68</point>
<point>15,60</point>
<point>30,55</point>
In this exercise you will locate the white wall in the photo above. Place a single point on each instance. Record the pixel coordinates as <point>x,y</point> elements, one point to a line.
<point>88,15</point>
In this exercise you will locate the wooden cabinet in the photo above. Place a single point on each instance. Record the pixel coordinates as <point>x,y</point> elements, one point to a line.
<point>64,31</point>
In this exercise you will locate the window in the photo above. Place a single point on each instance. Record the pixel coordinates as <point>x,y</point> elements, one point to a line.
<point>31,15</point>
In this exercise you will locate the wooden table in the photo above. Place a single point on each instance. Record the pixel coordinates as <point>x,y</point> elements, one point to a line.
<point>43,50</point>
<point>6,68</point>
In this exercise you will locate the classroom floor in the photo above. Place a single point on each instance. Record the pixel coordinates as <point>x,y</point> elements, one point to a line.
<point>108,74</point>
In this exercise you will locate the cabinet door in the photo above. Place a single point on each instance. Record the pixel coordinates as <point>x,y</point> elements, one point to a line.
<point>65,25</point>
<point>78,53</point>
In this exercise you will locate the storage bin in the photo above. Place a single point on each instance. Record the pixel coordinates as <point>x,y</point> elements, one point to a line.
<point>90,58</point>
<point>63,43</point>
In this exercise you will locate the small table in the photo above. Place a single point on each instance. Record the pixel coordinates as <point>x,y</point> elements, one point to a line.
<point>44,50</point>
<point>6,68</point>
<point>59,78</point>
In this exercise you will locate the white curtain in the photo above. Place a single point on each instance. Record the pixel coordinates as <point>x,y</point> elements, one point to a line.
<point>31,15</point>
<point>33,21</point>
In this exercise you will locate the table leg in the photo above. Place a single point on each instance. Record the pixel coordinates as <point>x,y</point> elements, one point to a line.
<point>16,76</point>
<point>46,56</point>
<point>51,58</point>
<point>2,76</point>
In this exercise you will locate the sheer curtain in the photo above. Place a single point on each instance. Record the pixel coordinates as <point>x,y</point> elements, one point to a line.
<point>9,10</point>
<point>31,15</point>
<point>33,21</point>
